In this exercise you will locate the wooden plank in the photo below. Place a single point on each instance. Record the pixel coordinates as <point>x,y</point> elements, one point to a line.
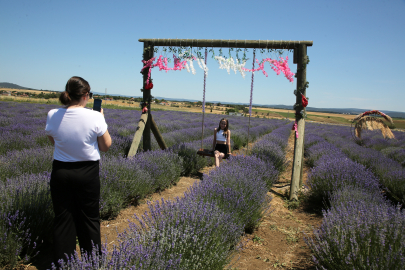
<point>296,177</point>
<point>147,54</point>
<point>225,43</point>
<point>138,135</point>
<point>156,133</point>
<point>205,152</point>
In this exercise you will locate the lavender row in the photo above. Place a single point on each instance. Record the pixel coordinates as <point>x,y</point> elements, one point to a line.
<point>391,148</point>
<point>360,229</point>
<point>272,147</point>
<point>390,173</point>
<point>25,202</point>
<point>333,170</point>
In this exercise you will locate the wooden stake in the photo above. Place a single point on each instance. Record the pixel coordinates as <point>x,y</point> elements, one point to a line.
<point>138,135</point>
<point>147,54</point>
<point>157,134</point>
<point>299,142</point>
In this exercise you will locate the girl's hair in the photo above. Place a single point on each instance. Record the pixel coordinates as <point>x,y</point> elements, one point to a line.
<point>75,88</point>
<point>226,127</point>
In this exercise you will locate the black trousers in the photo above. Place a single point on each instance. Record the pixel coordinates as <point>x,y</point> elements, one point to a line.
<point>75,191</point>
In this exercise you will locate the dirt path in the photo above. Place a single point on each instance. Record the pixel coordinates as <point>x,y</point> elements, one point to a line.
<point>278,242</point>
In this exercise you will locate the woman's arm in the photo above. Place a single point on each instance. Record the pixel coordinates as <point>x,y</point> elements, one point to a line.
<point>104,142</point>
<point>215,139</point>
<point>229,142</point>
<point>51,139</point>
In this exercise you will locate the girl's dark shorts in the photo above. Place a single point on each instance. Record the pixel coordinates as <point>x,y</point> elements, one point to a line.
<point>223,148</point>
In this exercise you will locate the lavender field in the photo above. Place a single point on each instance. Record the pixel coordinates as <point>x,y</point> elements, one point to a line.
<point>360,187</point>
<point>26,158</point>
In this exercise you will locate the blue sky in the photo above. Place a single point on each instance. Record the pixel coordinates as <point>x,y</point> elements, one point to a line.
<point>355,62</point>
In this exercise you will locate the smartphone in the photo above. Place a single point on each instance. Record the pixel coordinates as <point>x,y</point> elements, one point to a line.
<point>97,105</point>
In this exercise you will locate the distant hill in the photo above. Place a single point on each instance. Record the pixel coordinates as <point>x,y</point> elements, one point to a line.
<point>14,86</point>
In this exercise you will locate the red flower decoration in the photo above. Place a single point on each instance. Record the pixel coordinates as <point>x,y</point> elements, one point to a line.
<point>149,86</point>
<point>304,101</point>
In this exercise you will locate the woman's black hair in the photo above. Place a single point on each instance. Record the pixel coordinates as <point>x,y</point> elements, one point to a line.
<point>75,88</point>
<point>226,127</point>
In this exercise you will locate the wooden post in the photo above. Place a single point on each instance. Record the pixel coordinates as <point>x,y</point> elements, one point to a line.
<point>138,135</point>
<point>147,54</point>
<point>157,134</point>
<point>299,142</point>
<point>302,157</point>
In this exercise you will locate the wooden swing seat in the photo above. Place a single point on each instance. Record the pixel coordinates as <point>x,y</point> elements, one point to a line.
<point>209,153</point>
<point>205,152</point>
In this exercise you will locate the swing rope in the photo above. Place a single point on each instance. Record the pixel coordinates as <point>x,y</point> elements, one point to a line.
<point>203,104</point>
<point>251,97</point>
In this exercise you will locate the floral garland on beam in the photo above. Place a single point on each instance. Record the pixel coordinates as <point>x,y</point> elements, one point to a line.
<point>189,61</point>
<point>229,64</point>
<point>278,66</point>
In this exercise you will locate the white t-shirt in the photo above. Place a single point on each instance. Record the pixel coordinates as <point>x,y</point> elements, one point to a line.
<point>75,132</point>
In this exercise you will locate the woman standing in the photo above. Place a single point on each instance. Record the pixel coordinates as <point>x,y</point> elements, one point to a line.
<point>78,134</point>
<point>222,141</point>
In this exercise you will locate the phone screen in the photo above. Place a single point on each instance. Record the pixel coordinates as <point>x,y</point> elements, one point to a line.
<point>97,105</point>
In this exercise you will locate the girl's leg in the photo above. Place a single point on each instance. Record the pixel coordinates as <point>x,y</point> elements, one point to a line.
<point>217,153</point>
<point>218,157</point>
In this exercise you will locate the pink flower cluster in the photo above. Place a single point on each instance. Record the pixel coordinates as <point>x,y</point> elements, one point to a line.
<point>162,63</point>
<point>278,66</point>
<point>295,127</point>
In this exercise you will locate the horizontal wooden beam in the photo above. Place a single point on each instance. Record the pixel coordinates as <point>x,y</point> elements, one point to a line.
<point>224,43</point>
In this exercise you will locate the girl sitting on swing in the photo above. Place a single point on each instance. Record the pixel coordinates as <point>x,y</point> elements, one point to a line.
<point>222,141</point>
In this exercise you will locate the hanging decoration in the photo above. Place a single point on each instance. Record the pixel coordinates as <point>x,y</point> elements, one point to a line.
<point>304,101</point>
<point>163,65</point>
<point>148,64</point>
<point>278,66</point>
<point>149,86</point>
<point>187,56</point>
<point>229,64</point>
<point>203,65</point>
<point>144,107</point>
<point>295,127</point>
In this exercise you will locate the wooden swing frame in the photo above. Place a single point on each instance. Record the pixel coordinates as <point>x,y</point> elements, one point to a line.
<point>146,123</point>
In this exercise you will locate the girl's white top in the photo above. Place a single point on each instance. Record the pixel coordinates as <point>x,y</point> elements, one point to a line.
<point>75,132</point>
<point>221,136</point>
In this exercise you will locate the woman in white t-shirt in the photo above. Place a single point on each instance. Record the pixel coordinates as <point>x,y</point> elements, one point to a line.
<point>78,134</point>
<point>222,141</point>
